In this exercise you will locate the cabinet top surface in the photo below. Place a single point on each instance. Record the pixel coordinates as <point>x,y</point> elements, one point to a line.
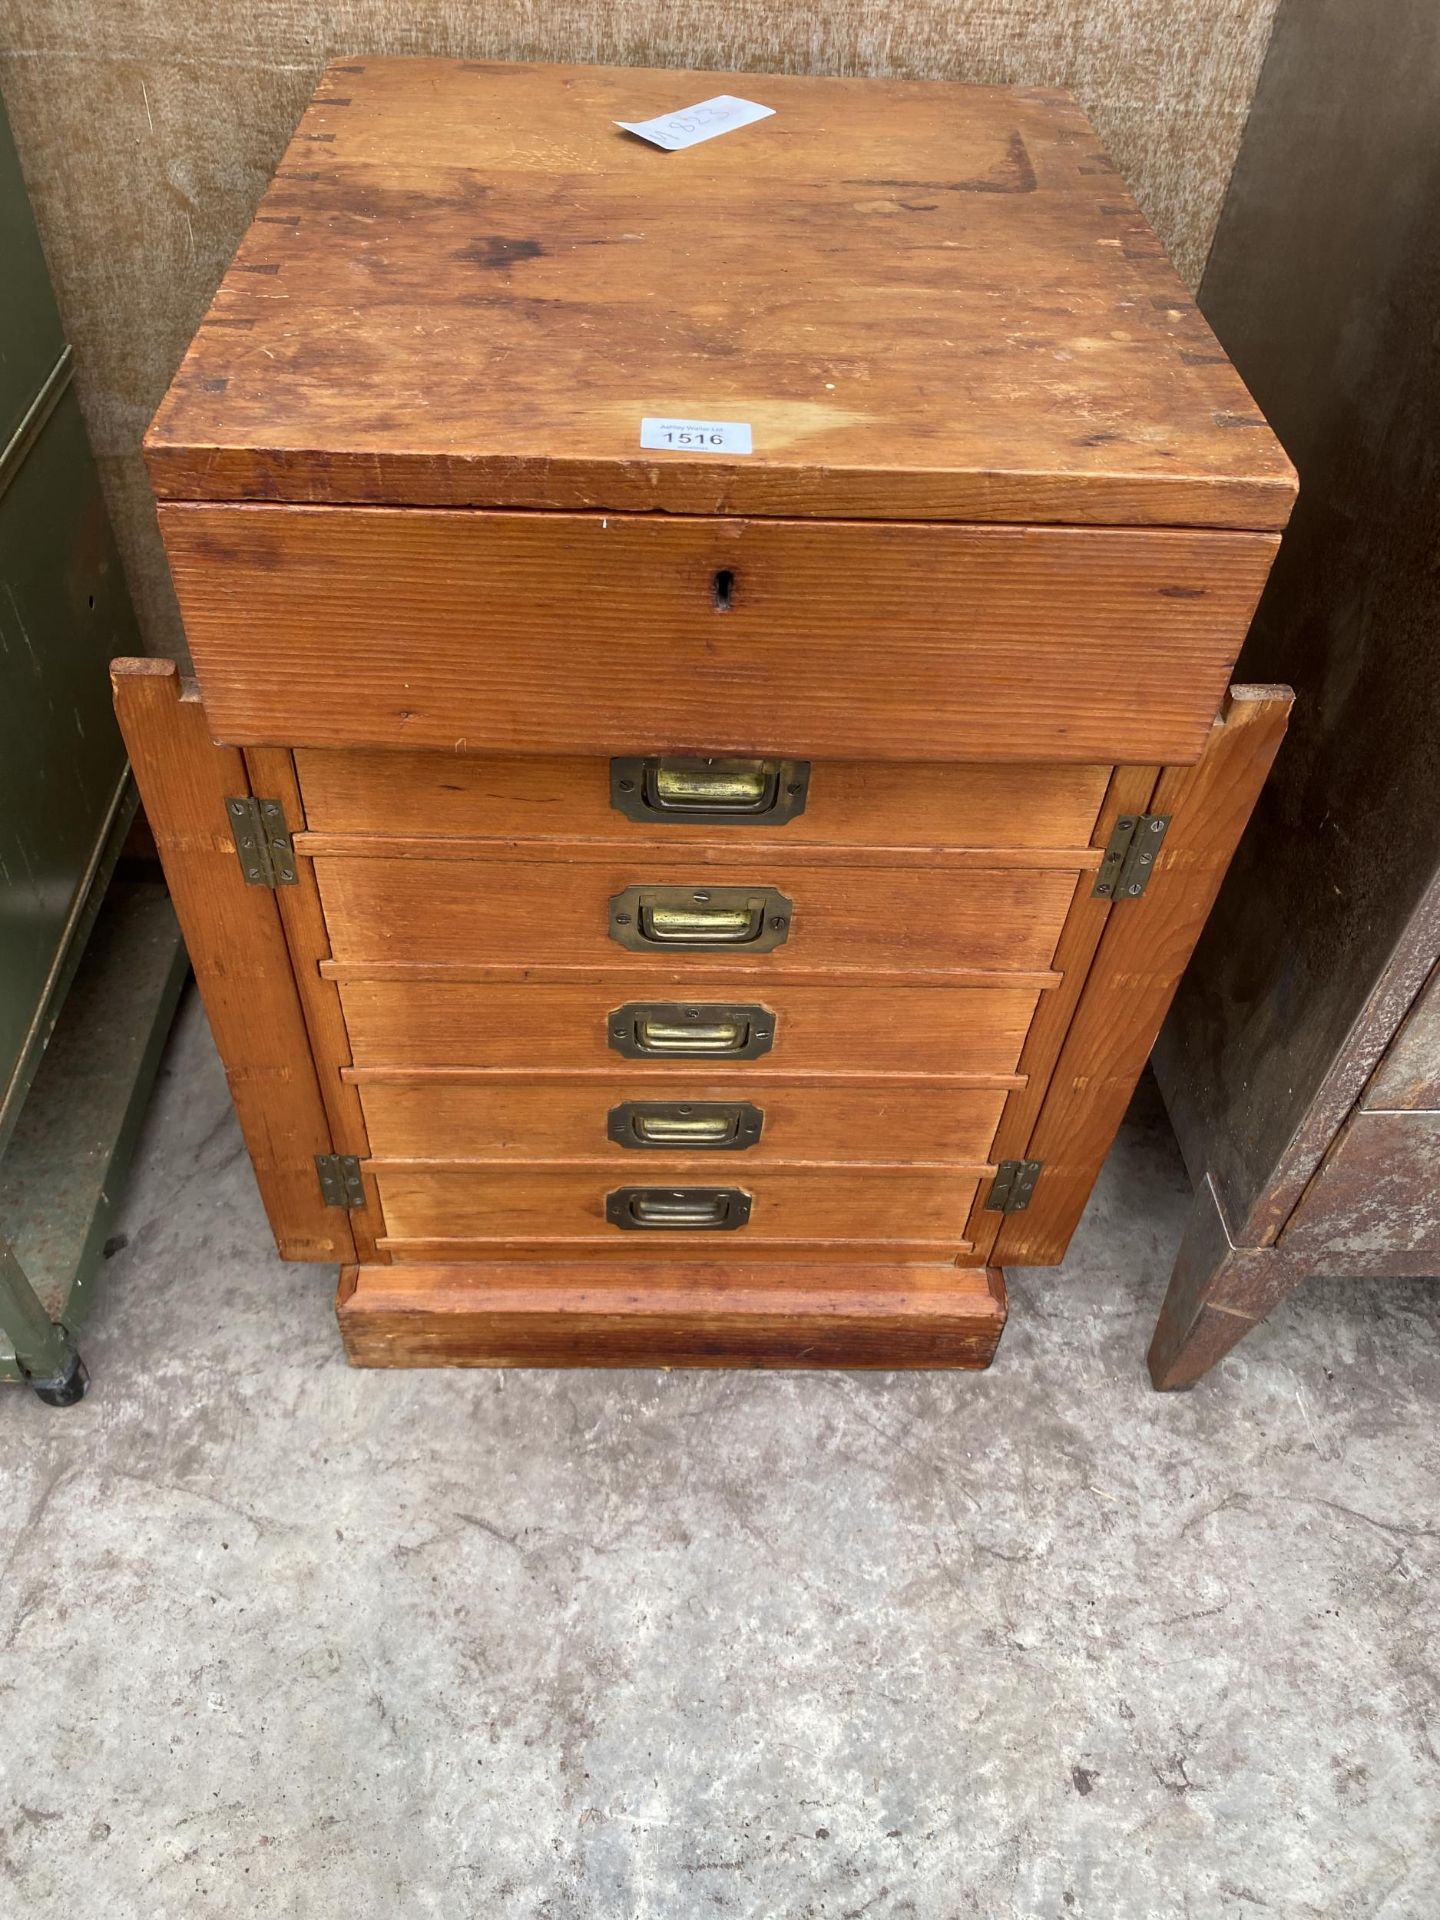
<point>466,286</point>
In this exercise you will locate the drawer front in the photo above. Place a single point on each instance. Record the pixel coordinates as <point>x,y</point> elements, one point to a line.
<point>544,1205</point>
<point>626,1120</point>
<point>493,912</point>
<point>596,634</point>
<point>926,1032</point>
<point>868,804</point>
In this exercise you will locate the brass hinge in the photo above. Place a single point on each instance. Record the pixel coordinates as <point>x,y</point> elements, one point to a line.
<point>262,840</point>
<point>1130,856</point>
<point>1013,1185</point>
<point>340,1182</point>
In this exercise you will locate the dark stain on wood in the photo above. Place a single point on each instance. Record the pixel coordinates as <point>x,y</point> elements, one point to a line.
<point>1018,178</point>
<point>498,251</point>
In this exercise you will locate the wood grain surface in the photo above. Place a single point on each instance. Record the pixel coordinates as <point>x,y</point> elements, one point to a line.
<point>538,1204</point>
<point>851,921</point>
<point>1142,953</point>
<point>888,806</point>
<point>558,1314</point>
<point>271,772</point>
<point>853,640</point>
<point>858,1121</point>
<point>238,950</point>
<point>1128,794</point>
<point>466,286</point>
<point>145,178</point>
<point>926,1032</point>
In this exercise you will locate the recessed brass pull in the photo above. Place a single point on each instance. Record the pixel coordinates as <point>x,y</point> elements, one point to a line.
<point>742,786</point>
<point>710,1036</point>
<point>666,1030</point>
<point>668,1129</point>
<point>700,918</point>
<point>686,1125</point>
<point>678,1209</point>
<point>709,788</point>
<point>687,926</point>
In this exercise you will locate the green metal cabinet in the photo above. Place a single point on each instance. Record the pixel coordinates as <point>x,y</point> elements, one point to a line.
<point>67,1115</point>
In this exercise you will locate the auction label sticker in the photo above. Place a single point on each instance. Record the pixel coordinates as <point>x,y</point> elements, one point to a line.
<point>691,125</point>
<point>697,436</point>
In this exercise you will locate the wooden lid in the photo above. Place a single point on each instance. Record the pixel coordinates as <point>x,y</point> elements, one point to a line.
<point>466,286</point>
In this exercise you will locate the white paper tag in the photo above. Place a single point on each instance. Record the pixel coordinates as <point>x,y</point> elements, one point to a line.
<point>697,436</point>
<point>691,125</point>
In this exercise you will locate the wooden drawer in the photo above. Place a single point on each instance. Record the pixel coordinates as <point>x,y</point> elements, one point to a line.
<point>566,1120</point>
<point>918,806</point>
<point>588,633</point>
<point>925,1032</point>
<point>550,911</point>
<point>545,1206</point>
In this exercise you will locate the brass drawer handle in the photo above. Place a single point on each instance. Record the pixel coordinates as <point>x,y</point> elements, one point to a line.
<point>678,1209</point>
<point>659,1029</point>
<point>685,1126</point>
<point>701,919</point>
<point>710,789</point>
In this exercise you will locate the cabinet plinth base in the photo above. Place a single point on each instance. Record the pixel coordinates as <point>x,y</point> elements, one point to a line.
<point>570,1314</point>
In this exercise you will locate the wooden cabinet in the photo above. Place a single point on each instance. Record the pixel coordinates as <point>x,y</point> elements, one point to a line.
<point>1301,1063</point>
<point>719,902</point>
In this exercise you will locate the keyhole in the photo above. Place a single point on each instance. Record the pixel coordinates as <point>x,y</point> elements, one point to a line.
<point>721,588</point>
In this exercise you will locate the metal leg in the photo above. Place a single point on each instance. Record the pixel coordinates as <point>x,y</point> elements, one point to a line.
<point>68,1392</point>
<point>1218,1292</point>
<point>46,1353</point>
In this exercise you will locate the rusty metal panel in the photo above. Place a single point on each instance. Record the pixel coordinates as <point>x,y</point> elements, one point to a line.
<point>1378,1192</point>
<point>1409,1075</point>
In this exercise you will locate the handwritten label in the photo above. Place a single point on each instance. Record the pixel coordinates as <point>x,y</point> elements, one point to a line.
<point>674,131</point>
<point>697,436</point>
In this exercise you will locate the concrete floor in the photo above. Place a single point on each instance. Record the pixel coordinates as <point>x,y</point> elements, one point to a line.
<point>280,1639</point>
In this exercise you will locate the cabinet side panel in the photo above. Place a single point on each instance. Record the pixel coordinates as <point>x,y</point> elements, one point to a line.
<point>272,772</point>
<point>238,950</point>
<point>1141,956</point>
